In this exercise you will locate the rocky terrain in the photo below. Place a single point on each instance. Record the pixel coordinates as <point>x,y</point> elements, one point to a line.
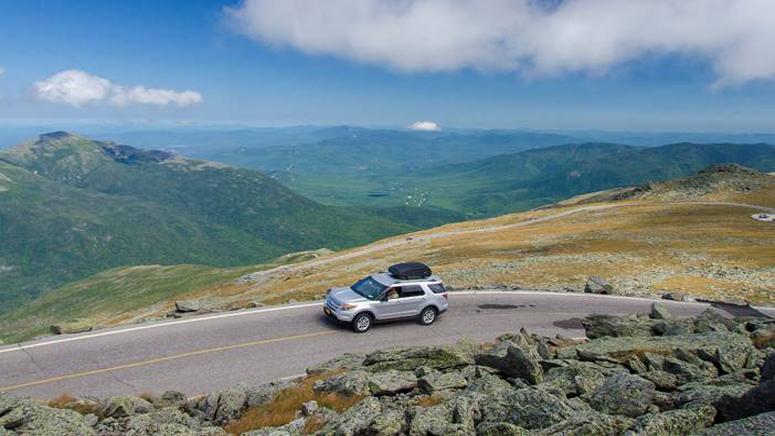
<point>636,375</point>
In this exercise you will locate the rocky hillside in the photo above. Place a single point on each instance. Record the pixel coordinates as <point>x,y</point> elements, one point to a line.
<point>652,375</point>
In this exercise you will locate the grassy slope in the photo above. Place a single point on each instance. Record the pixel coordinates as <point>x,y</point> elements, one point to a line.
<point>645,247</point>
<point>69,209</point>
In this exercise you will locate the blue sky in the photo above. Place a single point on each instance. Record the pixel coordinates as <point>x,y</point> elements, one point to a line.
<point>249,71</point>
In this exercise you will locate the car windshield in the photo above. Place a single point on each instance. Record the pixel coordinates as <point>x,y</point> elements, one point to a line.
<point>369,288</point>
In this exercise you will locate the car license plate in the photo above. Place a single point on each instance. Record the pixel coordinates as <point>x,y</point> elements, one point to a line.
<point>327,311</point>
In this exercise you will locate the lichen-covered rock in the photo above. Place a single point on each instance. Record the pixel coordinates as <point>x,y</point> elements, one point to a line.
<point>528,408</point>
<point>411,358</point>
<point>598,285</point>
<point>355,421</point>
<point>588,424</point>
<point>167,422</point>
<point>768,368</point>
<point>188,306</point>
<point>623,394</point>
<point>712,321</point>
<point>580,378</point>
<point>682,422</point>
<point>512,361</point>
<point>352,383</point>
<point>688,372</point>
<point>499,429</point>
<point>599,326</point>
<point>392,382</point>
<point>757,425</point>
<point>662,379</point>
<point>702,393</point>
<point>345,361</point>
<point>435,382</point>
<point>121,407</point>
<point>224,406</point>
<point>24,416</point>
<point>659,311</point>
<point>170,399</point>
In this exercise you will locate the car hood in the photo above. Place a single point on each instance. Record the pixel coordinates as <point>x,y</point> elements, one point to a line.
<point>346,295</point>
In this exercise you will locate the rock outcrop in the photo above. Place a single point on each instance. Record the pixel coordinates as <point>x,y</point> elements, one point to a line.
<point>654,374</point>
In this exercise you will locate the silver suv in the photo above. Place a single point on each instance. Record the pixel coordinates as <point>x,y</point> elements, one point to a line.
<point>383,297</point>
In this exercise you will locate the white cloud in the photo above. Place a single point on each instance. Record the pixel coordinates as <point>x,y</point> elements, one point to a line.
<point>77,88</point>
<point>532,36</point>
<point>425,126</point>
<point>2,71</point>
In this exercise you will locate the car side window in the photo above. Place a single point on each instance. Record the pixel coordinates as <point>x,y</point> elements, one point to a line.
<point>412,291</point>
<point>392,293</point>
<point>437,288</point>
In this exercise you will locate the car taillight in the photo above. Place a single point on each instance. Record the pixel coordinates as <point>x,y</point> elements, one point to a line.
<point>445,295</point>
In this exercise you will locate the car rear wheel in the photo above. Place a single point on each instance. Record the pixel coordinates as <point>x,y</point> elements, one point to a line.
<point>428,316</point>
<point>362,323</point>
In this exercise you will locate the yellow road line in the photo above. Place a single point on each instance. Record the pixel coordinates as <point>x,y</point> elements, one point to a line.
<point>165,359</point>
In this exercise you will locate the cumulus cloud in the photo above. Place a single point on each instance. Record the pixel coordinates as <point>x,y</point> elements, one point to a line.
<point>542,37</point>
<point>425,126</point>
<point>77,88</point>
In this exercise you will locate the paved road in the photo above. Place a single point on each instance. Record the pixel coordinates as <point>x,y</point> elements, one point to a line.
<point>207,353</point>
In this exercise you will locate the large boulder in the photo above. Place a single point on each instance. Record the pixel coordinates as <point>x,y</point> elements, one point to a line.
<point>344,361</point>
<point>500,429</point>
<point>411,358</point>
<point>659,311</point>
<point>167,421</point>
<point>513,361</point>
<point>352,383</point>
<point>591,423</point>
<point>757,425</point>
<point>528,408</point>
<point>72,327</point>
<point>580,378</point>
<point>224,406</point>
<point>392,382</point>
<point>682,422</point>
<point>355,421</point>
<point>598,285</point>
<point>768,368</point>
<point>25,416</point>
<point>598,326</point>
<point>188,306</point>
<point>121,407</point>
<point>624,394</point>
<point>435,382</point>
<point>712,321</point>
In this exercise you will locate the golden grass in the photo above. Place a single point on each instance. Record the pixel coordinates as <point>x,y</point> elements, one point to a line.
<point>283,407</point>
<point>430,401</point>
<point>68,402</point>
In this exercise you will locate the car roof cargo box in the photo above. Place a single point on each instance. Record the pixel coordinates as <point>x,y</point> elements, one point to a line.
<point>410,271</point>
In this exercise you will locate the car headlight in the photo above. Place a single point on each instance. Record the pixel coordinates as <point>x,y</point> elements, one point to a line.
<point>348,306</point>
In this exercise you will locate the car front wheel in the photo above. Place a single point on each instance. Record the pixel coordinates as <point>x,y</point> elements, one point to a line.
<point>362,323</point>
<point>428,316</point>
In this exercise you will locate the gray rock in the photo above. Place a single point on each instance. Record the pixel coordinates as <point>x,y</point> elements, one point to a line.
<point>513,361</point>
<point>688,372</point>
<point>764,337</point>
<point>25,416</point>
<point>702,393</point>
<point>500,429</point>
<point>659,311</point>
<point>711,321</point>
<point>411,358</point>
<point>357,420</point>
<point>392,382</point>
<point>582,424</point>
<point>167,421</point>
<point>683,422</point>
<point>390,422</point>
<point>662,379</point>
<point>309,408</point>
<point>598,326</point>
<point>598,285</point>
<point>260,395</point>
<point>624,394</point>
<point>188,306</point>
<point>675,296</point>
<point>673,327</point>
<point>224,406</point>
<point>580,378</point>
<point>91,419</point>
<point>435,382</point>
<point>757,425</point>
<point>121,407</point>
<point>527,408</point>
<point>345,361</point>
<point>730,358</point>
<point>171,399</point>
<point>72,327</point>
<point>353,383</point>
<point>756,400</point>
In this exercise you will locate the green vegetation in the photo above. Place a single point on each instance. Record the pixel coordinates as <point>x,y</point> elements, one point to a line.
<point>71,207</point>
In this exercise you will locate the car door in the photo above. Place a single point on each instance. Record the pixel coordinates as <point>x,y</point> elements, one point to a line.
<point>389,307</point>
<point>412,299</point>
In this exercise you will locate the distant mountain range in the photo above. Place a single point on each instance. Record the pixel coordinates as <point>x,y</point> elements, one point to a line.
<point>71,207</point>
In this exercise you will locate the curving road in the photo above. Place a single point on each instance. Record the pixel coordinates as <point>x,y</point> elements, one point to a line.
<point>206,353</point>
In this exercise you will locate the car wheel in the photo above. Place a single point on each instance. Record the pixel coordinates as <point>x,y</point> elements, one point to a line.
<point>362,323</point>
<point>428,316</point>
